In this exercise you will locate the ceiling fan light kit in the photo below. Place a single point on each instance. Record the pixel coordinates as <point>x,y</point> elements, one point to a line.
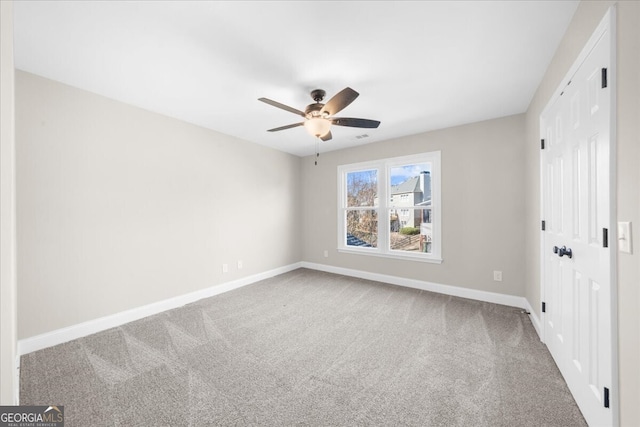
<point>317,126</point>
<point>319,117</point>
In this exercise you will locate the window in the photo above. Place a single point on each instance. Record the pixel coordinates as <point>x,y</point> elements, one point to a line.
<point>391,207</point>
<point>361,213</point>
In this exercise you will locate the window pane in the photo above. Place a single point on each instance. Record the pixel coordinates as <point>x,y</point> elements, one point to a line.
<point>362,188</point>
<point>362,228</point>
<point>410,229</point>
<point>410,185</point>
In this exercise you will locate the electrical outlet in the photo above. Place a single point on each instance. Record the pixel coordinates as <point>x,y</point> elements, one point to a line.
<point>497,276</point>
<point>225,268</point>
<point>239,265</point>
<point>326,253</point>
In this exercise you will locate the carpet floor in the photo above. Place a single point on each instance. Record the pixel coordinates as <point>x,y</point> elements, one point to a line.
<point>312,349</point>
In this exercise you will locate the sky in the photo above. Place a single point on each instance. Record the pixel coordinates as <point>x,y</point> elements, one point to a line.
<point>398,174</point>
<point>402,173</point>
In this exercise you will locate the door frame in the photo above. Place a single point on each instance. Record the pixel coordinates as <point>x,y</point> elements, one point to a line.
<point>608,23</point>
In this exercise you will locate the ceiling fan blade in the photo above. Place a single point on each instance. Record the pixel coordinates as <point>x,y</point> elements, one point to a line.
<point>339,101</point>
<point>356,123</point>
<point>282,106</point>
<point>286,127</point>
<point>327,137</point>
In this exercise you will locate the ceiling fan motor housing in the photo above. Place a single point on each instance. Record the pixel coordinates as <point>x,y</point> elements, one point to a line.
<point>318,94</point>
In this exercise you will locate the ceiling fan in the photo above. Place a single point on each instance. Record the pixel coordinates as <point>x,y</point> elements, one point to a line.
<point>319,117</point>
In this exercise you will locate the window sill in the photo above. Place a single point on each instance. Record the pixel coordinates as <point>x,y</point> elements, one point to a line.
<point>404,257</point>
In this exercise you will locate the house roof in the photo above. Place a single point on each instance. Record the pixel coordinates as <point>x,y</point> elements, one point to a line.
<point>412,185</point>
<point>354,241</point>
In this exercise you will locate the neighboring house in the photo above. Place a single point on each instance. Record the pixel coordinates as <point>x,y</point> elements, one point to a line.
<point>408,197</point>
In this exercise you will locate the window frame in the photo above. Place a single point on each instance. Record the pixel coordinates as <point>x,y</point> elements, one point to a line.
<point>383,208</point>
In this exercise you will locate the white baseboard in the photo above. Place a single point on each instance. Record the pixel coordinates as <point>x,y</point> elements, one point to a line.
<point>59,336</point>
<point>535,320</point>
<point>496,298</point>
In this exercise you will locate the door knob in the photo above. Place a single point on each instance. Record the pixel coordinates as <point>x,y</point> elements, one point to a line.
<point>563,251</point>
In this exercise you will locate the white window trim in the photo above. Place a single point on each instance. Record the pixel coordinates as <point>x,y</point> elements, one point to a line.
<point>383,167</point>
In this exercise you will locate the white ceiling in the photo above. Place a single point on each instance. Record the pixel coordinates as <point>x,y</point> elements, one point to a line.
<point>418,66</point>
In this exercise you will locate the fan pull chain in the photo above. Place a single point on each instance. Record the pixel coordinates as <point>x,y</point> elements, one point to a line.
<point>317,150</point>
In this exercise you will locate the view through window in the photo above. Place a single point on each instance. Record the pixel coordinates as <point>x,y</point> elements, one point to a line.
<point>410,208</point>
<point>362,208</point>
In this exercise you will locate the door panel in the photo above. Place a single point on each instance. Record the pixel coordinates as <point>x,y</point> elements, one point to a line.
<point>576,200</point>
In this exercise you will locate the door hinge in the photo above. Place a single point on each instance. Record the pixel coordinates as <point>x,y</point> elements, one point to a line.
<point>606,397</point>
<point>544,225</point>
<point>542,144</point>
<point>544,307</point>
<point>604,78</point>
<point>605,238</point>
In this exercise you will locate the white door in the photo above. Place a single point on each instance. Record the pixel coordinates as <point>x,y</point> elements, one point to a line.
<point>575,254</point>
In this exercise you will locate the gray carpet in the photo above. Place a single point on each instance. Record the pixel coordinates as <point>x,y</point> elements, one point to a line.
<point>309,348</point>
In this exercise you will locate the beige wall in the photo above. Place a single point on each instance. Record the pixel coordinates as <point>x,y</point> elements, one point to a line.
<point>482,206</point>
<point>119,207</point>
<point>585,20</point>
<point>8,317</point>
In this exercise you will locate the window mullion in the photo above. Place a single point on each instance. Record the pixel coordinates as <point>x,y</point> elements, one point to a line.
<point>383,213</point>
